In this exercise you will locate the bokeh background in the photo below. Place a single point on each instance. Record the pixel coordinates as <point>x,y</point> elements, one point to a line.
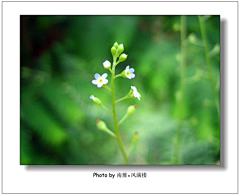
<point>61,54</point>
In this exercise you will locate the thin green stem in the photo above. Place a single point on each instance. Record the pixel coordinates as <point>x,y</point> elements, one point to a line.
<point>119,75</point>
<point>183,35</point>
<point>110,133</point>
<point>205,43</point>
<point>107,87</point>
<point>135,139</point>
<point>177,144</point>
<point>125,116</point>
<point>125,97</point>
<point>183,52</point>
<point>130,149</point>
<point>114,113</point>
<point>106,109</point>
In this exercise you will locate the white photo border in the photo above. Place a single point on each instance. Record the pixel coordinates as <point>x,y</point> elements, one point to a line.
<point>17,178</point>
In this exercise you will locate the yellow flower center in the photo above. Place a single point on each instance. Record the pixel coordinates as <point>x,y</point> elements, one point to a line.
<point>128,73</point>
<point>100,80</point>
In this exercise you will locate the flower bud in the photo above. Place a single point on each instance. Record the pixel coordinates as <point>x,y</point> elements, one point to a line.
<point>122,57</point>
<point>101,125</point>
<point>107,64</point>
<point>96,100</point>
<point>113,51</point>
<point>131,109</point>
<point>135,138</point>
<point>120,48</point>
<point>214,51</point>
<point>115,45</point>
<point>176,27</point>
<point>192,38</point>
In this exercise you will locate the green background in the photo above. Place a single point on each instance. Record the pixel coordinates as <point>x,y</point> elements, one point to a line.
<point>61,54</point>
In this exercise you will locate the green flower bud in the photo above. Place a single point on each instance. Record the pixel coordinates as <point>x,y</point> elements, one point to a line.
<point>135,138</point>
<point>122,57</point>
<point>215,50</point>
<point>131,109</point>
<point>101,125</point>
<point>120,49</point>
<point>115,45</point>
<point>113,51</point>
<point>192,38</point>
<point>96,100</point>
<point>176,27</point>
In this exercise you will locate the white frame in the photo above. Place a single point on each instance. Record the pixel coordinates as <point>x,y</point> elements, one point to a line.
<point>79,179</point>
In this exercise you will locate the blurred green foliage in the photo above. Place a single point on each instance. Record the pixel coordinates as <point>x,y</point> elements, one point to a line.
<point>60,55</point>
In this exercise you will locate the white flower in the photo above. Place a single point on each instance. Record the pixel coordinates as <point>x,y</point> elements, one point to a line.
<point>92,97</point>
<point>135,92</point>
<point>129,72</point>
<point>106,64</point>
<point>96,100</point>
<point>100,80</point>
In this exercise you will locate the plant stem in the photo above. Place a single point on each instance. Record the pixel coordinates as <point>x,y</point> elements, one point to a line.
<point>183,52</point>
<point>114,113</point>
<point>106,109</point>
<point>122,99</point>
<point>107,87</point>
<point>125,116</point>
<point>119,75</point>
<point>110,133</point>
<point>205,43</point>
<point>182,84</point>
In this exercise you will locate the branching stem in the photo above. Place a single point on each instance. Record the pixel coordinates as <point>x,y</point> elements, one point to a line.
<point>205,43</point>
<point>114,113</point>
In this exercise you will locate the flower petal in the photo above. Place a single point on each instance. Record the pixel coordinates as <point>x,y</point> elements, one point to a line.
<point>128,76</point>
<point>95,82</point>
<point>99,85</point>
<point>127,68</point>
<point>131,70</point>
<point>105,81</point>
<point>97,76</point>
<point>91,97</point>
<point>132,75</point>
<point>134,88</point>
<point>104,76</point>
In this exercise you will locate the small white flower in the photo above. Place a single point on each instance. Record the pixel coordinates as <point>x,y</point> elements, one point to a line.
<point>92,97</point>
<point>96,100</point>
<point>106,64</point>
<point>100,80</point>
<point>135,92</point>
<point>129,72</point>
